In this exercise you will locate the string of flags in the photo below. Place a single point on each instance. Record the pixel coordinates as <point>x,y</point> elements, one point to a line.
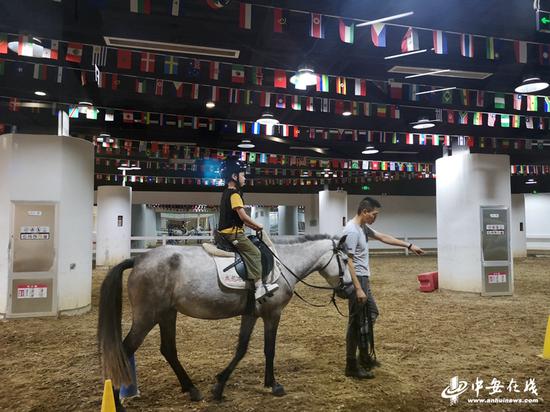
<point>193,69</point>
<point>468,45</point>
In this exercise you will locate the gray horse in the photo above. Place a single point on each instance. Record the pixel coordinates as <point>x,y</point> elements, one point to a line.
<point>172,279</point>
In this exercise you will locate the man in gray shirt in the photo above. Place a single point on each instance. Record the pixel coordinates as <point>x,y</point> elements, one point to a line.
<point>362,307</point>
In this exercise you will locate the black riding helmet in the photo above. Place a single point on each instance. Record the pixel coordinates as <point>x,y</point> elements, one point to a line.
<point>230,166</point>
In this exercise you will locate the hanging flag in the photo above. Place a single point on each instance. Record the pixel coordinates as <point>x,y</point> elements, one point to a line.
<point>463,117</point>
<point>40,72</point>
<point>99,56</point>
<point>257,76</point>
<point>59,74</point>
<point>194,68</point>
<point>265,99</point>
<point>465,97</point>
<point>480,98</point>
<point>140,6</point>
<point>256,129</point>
<point>170,65</point>
<point>504,120</point>
<point>241,127</point>
<point>544,54</point>
<point>296,104</point>
<point>396,90</point>
<point>378,34</point>
<point>409,138</point>
<point>341,85</point>
<point>520,51</point>
<point>491,119</point>
<point>410,41</point>
<point>279,79</point>
<point>234,96</point>
<point>147,62</point>
<point>217,4</point>
<point>159,87</point>
<point>322,83</point>
<point>499,101</point>
<point>74,52</point>
<point>215,95</point>
<point>413,89</point>
<point>440,42</point>
<point>515,121</point>
<point>367,109</point>
<point>478,119</point>
<point>491,50</point>
<point>447,97</point>
<point>280,102</point>
<point>214,72</point>
<point>279,20</point>
<point>237,73</point>
<point>422,139</point>
<point>360,87</point>
<point>546,104</point>
<point>194,91</point>
<point>141,86</point>
<point>347,31</point>
<point>245,16</point>
<point>338,106</point>
<point>529,122</point>
<point>467,45</point>
<point>395,113</point>
<point>532,103</point>
<point>50,49</point>
<point>435,140</point>
<point>518,98</point>
<point>179,88</point>
<point>124,59</point>
<point>247,99</point>
<point>309,104</point>
<point>450,116</point>
<point>25,46</point>
<point>381,110</point>
<point>317,29</point>
<point>325,105</point>
<point>3,43</point>
<point>177,8</point>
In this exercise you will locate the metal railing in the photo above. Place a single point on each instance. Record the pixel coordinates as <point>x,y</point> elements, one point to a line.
<point>168,240</point>
<point>376,245</point>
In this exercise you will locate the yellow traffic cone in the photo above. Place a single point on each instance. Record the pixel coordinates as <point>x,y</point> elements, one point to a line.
<point>108,403</point>
<point>546,349</point>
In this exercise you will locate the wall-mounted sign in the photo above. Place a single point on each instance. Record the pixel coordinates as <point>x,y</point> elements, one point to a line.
<point>32,291</point>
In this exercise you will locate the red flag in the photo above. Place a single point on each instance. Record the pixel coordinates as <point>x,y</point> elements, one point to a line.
<point>114,81</point>
<point>450,116</point>
<point>279,20</point>
<point>179,88</point>
<point>3,43</point>
<point>214,70</point>
<point>338,106</point>
<point>147,62</point>
<point>280,79</point>
<point>13,105</point>
<point>74,52</point>
<point>245,16</point>
<point>124,59</point>
<point>159,86</point>
<point>317,29</point>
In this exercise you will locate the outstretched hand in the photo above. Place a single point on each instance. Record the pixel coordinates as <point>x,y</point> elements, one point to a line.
<point>417,250</point>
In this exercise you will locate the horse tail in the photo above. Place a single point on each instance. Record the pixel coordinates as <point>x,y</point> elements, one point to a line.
<point>109,330</point>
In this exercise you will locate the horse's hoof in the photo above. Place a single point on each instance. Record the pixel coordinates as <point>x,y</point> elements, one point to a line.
<point>195,395</point>
<point>217,391</point>
<point>278,390</point>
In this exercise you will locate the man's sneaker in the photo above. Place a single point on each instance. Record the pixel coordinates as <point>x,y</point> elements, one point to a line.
<point>265,289</point>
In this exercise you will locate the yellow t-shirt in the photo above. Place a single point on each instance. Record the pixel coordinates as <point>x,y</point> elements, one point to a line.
<point>236,202</point>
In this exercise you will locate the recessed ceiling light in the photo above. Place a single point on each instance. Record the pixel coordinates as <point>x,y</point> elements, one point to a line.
<point>531,182</point>
<point>461,74</point>
<point>267,119</point>
<point>246,144</point>
<point>40,93</point>
<point>432,73</point>
<point>383,19</point>
<point>370,150</point>
<point>435,90</point>
<point>210,105</point>
<point>346,113</point>
<point>305,76</point>
<point>394,56</point>
<point>531,85</point>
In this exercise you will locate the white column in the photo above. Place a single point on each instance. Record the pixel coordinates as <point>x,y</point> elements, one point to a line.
<point>519,238</point>
<point>114,208</point>
<point>261,216</point>
<point>333,209</point>
<point>46,169</point>
<point>288,220</point>
<point>143,224</point>
<point>464,183</point>
<point>537,221</point>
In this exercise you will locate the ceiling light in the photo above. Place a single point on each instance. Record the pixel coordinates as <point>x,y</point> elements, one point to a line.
<point>460,74</point>
<point>128,166</point>
<point>435,90</point>
<point>370,150</point>
<point>423,124</point>
<point>428,73</point>
<point>531,85</point>
<point>383,19</point>
<point>267,119</point>
<point>346,113</point>
<point>40,93</point>
<point>405,54</point>
<point>246,144</point>
<point>531,182</point>
<point>170,47</point>
<point>305,76</point>
<point>210,105</point>
<point>320,150</point>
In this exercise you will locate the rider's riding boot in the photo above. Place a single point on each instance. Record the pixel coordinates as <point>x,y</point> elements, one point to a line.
<point>354,370</point>
<point>367,361</point>
<point>263,289</point>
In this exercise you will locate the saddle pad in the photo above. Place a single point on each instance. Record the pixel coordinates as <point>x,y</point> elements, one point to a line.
<point>211,249</point>
<point>232,280</point>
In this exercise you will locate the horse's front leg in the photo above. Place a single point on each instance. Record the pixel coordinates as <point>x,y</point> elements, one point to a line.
<point>271,324</point>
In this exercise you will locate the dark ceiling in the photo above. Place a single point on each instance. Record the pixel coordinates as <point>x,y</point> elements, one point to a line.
<point>88,21</point>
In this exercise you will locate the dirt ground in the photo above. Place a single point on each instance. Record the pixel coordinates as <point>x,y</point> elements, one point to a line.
<point>423,339</point>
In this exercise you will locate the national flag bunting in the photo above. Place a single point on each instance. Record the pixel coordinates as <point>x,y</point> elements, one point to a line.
<point>518,98</point>
<point>347,31</point>
<point>296,105</point>
<point>480,98</point>
<point>532,103</point>
<point>520,51</point>
<point>317,29</point>
<point>440,42</point>
<point>50,49</point>
<point>279,20</point>
<point>170,65</point>
<point>74,52</point>
<point>467,45</point>
<point>280,103</point>
<point>279,79</point>
<point>25,46</point>
<point>410,41</point>
<point>124,59</point>
<point>40,72</point>
<point>147,62</point>
<point>504,120</point>
<point>99,56</point>
<point>245,16</point>
<point>378,34</point>
<point>341,85</point>
<point>179,88</point>
<point>177,8</point>
<point>322,83</point>
<point>3,43</point>
<point>360,87</point>
<point>159,87</point>
<point>140,6</point>
<point>499,101</point>
<point>237,74</point>
<point>396,90</point>
<point>491,52</point>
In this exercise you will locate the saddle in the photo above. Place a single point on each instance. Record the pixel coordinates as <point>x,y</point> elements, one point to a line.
<point>230,265</point>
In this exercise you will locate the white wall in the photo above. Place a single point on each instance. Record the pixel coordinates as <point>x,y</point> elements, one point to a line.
<point>537,220</point>
<point>333,205</point>
<point>464,183</point>
<point>519,240</point>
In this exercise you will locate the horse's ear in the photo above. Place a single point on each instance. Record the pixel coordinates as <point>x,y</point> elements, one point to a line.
<point>342,241</point>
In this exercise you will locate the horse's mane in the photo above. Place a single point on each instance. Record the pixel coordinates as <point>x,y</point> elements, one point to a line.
<point>289,240</point>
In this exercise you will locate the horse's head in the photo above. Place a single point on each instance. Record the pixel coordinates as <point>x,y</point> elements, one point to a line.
<point>336,267</point>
